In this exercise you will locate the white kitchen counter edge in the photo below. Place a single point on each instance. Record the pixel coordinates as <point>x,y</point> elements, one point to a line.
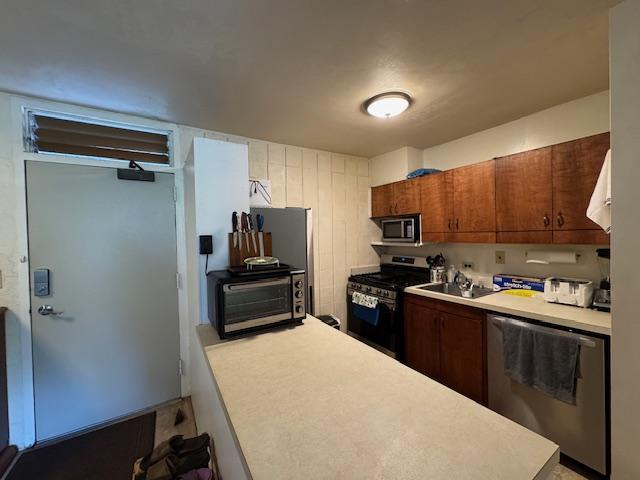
<point>237,466</point>
<point>533,308</point>
<point>209,408</point>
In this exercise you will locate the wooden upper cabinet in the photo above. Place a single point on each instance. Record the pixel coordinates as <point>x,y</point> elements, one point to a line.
<point>474,198</point>
<point>381,200</point>
<point>576,166</point>
<point>398,198</point>
<point>436,203</point>
<point>406,197</point>
<point>524,200</point>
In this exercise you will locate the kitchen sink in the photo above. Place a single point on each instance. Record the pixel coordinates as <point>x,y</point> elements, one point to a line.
<point>453,289</point>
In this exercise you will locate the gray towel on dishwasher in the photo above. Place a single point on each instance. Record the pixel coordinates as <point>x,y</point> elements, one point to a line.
<point>542,359</point>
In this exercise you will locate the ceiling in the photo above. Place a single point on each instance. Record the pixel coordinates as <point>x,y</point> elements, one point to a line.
<point>297,71</point>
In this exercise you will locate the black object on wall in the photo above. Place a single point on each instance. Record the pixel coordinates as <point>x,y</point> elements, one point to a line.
<point>206,244</point>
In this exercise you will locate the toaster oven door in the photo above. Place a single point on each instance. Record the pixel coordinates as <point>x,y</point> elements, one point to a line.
<point>257,303</point>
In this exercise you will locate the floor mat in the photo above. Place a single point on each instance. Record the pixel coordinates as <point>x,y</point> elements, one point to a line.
<point>105,454</point>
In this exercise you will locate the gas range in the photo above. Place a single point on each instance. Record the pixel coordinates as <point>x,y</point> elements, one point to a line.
<point>396,273</point>
<point>382,327</point>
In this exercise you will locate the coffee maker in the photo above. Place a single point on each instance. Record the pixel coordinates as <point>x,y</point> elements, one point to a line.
<point>602,295</point>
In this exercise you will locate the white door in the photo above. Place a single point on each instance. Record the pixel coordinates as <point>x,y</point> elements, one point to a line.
<point>109,247</point>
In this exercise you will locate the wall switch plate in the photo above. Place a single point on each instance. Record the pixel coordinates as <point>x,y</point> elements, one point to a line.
<point>467,265</point>
<point>500,257</point>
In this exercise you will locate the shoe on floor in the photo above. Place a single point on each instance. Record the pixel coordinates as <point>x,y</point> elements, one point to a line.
<point>172,465</point>
<point>176,445</point>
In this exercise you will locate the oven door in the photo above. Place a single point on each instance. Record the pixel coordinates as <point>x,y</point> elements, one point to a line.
<point>257,303</point>
<point>385,334</point>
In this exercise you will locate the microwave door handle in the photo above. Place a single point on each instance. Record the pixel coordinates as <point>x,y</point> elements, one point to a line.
<point>257,284</point>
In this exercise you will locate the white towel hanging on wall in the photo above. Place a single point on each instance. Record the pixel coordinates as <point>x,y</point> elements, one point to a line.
<point>599,209</point>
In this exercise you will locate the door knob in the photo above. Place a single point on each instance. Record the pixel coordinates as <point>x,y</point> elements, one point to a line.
<point>48,310</point>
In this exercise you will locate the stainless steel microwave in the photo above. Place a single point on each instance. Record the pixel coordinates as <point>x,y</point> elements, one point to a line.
<point>243,304</point>
<point>401,229</point>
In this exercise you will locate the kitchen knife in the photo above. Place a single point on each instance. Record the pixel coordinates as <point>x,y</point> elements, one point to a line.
<point>260,222</point>
<point>253,232</point>
<point>244,225</point>
<point>234,226</point>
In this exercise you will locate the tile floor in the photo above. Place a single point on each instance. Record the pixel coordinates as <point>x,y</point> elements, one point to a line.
<point>564,473</point>
<point>165,418</point>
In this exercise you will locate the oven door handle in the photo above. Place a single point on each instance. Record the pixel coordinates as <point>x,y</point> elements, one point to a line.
<point>235,287</point>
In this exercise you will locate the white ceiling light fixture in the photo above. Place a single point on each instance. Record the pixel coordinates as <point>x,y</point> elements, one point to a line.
<point>387,105</point>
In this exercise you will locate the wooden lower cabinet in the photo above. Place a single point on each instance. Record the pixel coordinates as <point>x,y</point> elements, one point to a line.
<point>447,342</point>
<point>422,352</point>
<point>462,355</point>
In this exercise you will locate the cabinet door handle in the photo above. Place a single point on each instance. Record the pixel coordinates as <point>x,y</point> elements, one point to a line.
<point>396,207</point>
<point>449,224</point>
<point>457,224</point>
<point>560,219</point>
<point>545,220</point>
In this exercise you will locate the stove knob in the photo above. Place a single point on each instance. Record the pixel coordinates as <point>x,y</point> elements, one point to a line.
<point>298,308</point>
<point>368,289</point>
<point>298,284</point>
<point>298,294</point>
<point>385,294</point>
<point>378,291</point>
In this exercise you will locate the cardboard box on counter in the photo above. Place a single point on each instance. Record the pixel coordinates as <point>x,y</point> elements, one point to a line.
<point>506,282</point>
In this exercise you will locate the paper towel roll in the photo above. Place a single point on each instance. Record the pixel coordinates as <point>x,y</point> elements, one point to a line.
<point>546,258</point>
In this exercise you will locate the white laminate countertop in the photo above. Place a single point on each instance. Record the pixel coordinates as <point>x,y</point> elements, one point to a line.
<point>530,307</point>
<point>313,403</point>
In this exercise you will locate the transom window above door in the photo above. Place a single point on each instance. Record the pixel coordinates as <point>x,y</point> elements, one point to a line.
<point>50,133</point>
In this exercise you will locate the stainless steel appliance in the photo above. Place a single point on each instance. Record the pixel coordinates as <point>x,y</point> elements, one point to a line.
<point>581,430</point>
<point>401,229</point>
<point>251,300</point>
<point>396,273</point>
<point>292,241</point>
<point>438,275</point>
<point>602,295</point>
<point>569,291</point>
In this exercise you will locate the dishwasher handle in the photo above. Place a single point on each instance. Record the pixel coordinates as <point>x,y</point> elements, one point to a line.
<point>584,341</point>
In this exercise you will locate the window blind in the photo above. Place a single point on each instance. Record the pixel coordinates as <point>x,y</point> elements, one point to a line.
<point>50,134</point>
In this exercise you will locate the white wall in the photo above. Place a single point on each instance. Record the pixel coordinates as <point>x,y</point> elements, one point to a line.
<point>336,187</point>
<point>625,128</point>
<point>394,166</point>
<point>568,121</point>
<point>215,196</point>
<point>334,184</point>
<point>484,266</point>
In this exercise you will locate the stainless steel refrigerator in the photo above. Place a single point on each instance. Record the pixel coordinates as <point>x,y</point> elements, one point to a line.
<point>292,240</point>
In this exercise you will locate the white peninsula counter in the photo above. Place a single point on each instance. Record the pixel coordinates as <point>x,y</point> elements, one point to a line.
<point>313,403</point>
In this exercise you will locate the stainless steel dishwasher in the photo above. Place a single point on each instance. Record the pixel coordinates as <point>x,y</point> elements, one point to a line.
<point>581,430</point>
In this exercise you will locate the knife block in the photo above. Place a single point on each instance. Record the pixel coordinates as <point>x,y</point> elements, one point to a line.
<point>237,254</point>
